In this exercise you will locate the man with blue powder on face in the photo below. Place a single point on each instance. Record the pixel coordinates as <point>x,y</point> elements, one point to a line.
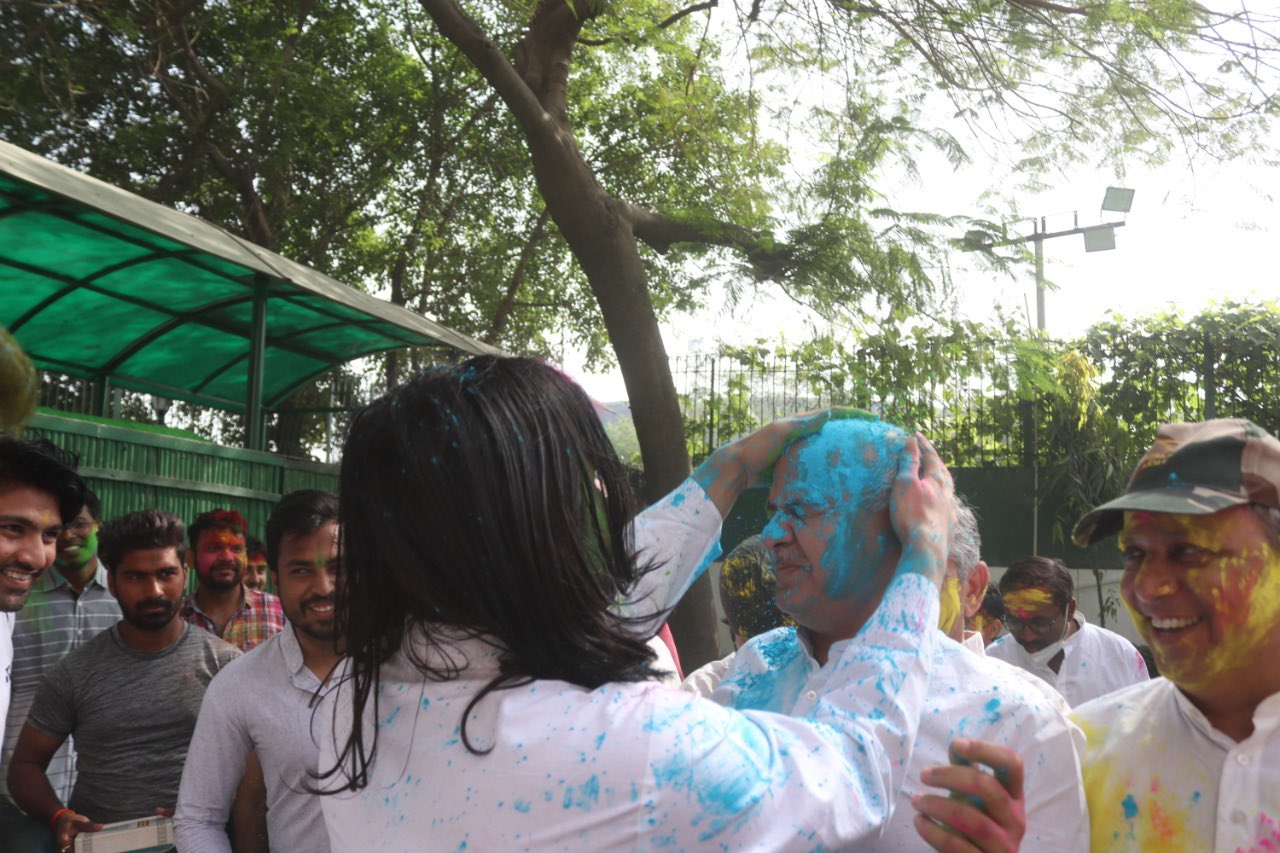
<point>834,552</point>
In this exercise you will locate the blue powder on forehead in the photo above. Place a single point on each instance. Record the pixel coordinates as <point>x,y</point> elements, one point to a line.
<point>849,460</point>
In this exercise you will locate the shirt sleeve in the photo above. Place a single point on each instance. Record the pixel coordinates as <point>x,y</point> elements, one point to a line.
<point>679,536</point>
<point>826,779</point>
<point>1057,814</point>
<point>53,711</point>
<point>213,769</point>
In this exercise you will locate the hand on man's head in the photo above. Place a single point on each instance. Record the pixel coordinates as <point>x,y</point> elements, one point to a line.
<point>920,508</point>
<point>750,460</point>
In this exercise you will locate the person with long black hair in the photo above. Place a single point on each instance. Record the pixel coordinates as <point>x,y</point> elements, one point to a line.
<point>496,697</point>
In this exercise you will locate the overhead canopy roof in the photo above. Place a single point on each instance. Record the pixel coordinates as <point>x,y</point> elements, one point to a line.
<point>97,281</point>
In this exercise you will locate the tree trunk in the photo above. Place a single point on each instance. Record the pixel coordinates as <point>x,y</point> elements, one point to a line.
<point>599,231</point>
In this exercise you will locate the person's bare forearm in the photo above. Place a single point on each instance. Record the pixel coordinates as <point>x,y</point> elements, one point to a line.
<point>32,792</point>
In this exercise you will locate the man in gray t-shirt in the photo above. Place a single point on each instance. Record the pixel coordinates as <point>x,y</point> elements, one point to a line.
<point>132,714</point>
<point>130,696</point>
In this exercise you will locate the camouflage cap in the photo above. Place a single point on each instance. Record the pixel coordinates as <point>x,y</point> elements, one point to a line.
<point>1194,469</point>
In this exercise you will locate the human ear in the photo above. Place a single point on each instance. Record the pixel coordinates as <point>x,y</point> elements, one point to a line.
<point>975,589</point>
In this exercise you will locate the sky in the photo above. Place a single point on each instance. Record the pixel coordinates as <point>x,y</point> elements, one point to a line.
<point>1196,234</point>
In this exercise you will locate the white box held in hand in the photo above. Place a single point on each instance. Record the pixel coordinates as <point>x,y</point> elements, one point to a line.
<point>144,835</point>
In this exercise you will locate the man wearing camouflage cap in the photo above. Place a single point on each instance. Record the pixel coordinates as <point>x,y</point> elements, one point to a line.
<point>1191,761</point>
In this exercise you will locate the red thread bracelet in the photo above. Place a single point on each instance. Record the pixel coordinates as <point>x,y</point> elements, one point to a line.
<point>54,820</point>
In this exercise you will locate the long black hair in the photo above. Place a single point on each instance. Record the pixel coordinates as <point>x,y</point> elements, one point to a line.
<point>485,499</point>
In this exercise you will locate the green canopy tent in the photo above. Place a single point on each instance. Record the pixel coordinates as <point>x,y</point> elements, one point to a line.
<point>97,282</point>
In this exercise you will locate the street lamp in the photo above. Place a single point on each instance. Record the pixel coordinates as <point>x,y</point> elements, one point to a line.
<point>1097,238</point>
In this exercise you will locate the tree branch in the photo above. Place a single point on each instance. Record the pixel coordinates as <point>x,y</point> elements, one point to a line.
<point>660,233</point>
<point>502,314</point>
<point>467,35</point>
<point>661,25</point>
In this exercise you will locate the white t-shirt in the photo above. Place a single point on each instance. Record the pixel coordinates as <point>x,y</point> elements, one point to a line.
<point>1095,662</point>
<point>1159,776</point>
<point>6,666</point>
<point>704,680</point>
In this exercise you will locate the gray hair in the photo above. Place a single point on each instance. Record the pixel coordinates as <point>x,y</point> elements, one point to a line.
<point>966,543</point>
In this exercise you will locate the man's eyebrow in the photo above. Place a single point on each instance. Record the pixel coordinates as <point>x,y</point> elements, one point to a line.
<point>8,518</point>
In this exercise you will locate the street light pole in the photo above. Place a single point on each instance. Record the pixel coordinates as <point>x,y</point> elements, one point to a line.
<point>1100,237</point>
<point>1038,237</point>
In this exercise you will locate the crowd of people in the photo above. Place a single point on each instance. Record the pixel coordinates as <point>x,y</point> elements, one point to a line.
<point>461,650</point>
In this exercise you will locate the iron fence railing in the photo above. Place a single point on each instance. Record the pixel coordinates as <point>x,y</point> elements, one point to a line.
<point>975,417</point>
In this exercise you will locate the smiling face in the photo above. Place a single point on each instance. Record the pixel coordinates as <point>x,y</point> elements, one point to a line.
<point>1204,592</point>
<point>220,558</point>
<point>833,546</point>
<point>255,572</point>
<point>78,542</point>
<point>307,577</point>
<point>29,527</point>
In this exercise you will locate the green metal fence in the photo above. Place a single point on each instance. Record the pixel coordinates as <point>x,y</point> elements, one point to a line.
<point>131,468</point>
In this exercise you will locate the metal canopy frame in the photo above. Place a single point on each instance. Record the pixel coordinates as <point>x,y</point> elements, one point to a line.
<point>31,186</point>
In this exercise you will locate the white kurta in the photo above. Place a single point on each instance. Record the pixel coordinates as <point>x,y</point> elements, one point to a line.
<point>1095,662</point>
<point>969,696</point>
<point>1158,776</point>
<point>633,766</point>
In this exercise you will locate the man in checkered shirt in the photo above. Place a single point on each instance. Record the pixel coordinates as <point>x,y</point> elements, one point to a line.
<point>221,604</point>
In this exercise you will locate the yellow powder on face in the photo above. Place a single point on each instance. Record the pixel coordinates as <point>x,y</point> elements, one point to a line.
<point>1242,588</point>
<point>978,622</point>
<point>950,600</point>
<point>1022,600</point>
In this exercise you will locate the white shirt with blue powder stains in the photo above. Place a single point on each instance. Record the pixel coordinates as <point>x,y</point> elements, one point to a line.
<point>635,766</point>
<point>968,696</point>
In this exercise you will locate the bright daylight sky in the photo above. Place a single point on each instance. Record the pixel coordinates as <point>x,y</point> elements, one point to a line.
<point>1194,235</point>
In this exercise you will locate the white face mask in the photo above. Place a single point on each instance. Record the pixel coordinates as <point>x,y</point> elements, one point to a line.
<point>1049,652</point>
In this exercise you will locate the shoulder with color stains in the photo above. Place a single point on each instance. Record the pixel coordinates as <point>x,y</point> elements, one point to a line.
<point>1117,717</point>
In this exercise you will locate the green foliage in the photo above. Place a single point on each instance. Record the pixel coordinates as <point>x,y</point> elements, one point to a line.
<point>966,384</point>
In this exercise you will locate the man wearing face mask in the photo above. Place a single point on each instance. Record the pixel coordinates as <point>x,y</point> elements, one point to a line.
<point>1050,639</point>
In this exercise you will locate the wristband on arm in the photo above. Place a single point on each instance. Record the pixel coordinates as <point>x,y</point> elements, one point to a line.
<point>53,821</point>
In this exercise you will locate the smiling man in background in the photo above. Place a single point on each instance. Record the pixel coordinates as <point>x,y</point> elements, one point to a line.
<point>1191,761</point>
<point>255,571</point>
<point>285,675</point>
